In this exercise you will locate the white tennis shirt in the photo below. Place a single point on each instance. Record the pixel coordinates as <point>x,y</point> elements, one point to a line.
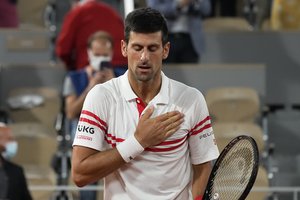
<point>111,113</point>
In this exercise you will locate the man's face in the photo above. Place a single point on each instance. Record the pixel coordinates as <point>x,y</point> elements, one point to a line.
<point>101,51</point>
<point>101,48</point>
<point>145,53</point>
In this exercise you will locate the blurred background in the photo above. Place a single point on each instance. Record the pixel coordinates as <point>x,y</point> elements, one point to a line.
<point>249,74</point>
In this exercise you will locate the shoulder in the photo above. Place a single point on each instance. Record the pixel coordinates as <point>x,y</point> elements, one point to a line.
<point>183,89</point>
<point>12,167</point>
<point>107,89</point>
<point>186,96</point>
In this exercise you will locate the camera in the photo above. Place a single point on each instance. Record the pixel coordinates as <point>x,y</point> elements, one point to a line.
<point>105,64</point>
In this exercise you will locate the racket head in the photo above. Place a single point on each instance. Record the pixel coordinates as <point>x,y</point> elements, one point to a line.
<point>235,170</point>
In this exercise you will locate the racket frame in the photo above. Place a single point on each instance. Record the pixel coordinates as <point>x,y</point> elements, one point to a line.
<point>220,159</point>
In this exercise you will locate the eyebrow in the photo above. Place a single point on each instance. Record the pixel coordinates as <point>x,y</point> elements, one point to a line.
<point>148,45</point>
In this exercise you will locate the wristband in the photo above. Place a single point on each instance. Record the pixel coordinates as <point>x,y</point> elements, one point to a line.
<point>198,197</point>
<point>130,148</point>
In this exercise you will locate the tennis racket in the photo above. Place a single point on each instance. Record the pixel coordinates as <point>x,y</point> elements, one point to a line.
<point>235,171</point>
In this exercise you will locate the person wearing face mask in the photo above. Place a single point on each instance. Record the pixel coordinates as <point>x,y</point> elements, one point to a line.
<point>13,185</point>
<point>85,18</point>
<point>78,83</point>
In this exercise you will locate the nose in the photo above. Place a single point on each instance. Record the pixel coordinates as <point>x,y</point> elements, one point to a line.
<point>144,55</point>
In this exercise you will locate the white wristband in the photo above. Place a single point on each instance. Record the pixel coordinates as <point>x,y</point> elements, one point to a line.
<point>130,148</point>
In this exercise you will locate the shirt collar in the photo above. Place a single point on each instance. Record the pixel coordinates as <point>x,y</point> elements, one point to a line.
<point>161,98</point>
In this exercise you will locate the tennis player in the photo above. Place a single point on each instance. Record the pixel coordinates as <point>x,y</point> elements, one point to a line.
<point>148,136</point>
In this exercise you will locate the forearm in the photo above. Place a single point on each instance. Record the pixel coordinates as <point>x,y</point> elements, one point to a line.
<point>74,105</point>
<point>95,166</point>
<point>200,178</point>
<point>91,165</point>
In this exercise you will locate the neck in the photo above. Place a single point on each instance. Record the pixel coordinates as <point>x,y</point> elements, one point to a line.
<point>146,90</point>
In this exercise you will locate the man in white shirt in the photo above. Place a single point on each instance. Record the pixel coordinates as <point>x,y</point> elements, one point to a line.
<point>148,136</point>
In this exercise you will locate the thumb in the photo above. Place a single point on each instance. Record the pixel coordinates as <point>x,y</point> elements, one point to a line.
<point>148,112</point>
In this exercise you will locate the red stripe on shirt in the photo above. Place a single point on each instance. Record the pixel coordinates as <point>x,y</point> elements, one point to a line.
<point>82,119</point>
<point>172,141</point>
<point>165,149</point>
<point>114,138</point>
<point>140,105</point>
<point>110,142</point>
<point>200,123</point>
<point>201,129</point>
<point>103,123</point>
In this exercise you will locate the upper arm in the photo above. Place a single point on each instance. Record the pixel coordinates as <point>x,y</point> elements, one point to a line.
<point>70,101</point>
<point>93,122</point>
<point>202,142</point>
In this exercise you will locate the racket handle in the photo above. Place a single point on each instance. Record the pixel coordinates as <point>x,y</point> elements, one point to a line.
<point>198,197</point>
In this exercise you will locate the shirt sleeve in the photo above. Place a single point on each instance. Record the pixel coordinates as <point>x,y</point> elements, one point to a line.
<point>201,140</point>
<point>92,126</point>
<point>68,88</point>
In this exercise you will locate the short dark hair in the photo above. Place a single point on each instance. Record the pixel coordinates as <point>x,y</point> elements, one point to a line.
<point>146,20</point>
<point>100,35</point>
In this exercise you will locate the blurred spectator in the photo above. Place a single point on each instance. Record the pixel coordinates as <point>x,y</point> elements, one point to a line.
<point>184,18</point>
<point>285,15</point>
<point>117,4</point>
<point>139,3</point>
<point>224,8</point>
<point>13,185</point>
<point>263,13</point>
<point>8,14</point>
<point>84,19</point>
<point>78,83</point>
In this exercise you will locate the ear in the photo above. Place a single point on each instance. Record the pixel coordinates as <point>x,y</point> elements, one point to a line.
<point>124,48</point>
<point>166,50</point>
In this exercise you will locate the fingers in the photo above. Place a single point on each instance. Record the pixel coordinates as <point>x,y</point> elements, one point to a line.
<point>172,124</point>
<point>152,131</point>
<point>170,117</point>
<point>169,122</point>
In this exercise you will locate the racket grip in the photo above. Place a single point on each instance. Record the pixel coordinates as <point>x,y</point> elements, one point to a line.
<point>198,197</point>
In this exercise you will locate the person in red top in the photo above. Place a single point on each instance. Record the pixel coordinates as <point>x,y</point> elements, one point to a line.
<point>8,14</point>
<point>80,22</point>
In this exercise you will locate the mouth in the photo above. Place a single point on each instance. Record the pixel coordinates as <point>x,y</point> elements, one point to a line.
<point>144,67</point>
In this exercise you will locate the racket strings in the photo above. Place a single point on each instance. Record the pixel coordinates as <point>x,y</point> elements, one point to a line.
<point>234,172</point>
